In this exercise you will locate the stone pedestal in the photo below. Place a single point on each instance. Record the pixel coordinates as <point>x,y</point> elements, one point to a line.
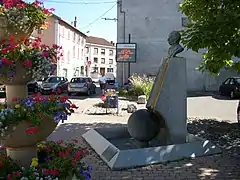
<point>172,100</point>
<point>16,91</point>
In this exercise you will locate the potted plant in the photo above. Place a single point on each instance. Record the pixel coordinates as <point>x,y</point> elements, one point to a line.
<point>56,160</point>
<point>20,19</point>
<point>26,121</point>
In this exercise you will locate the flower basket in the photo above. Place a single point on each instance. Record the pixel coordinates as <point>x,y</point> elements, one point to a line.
<point>7,31</point>
<point>19,76</point>
<point>17,137</point>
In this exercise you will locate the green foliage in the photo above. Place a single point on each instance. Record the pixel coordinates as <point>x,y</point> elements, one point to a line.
<point>141,85</point>
<point>216,27</point>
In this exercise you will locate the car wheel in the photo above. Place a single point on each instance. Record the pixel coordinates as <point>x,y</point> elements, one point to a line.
<point>232,94</point>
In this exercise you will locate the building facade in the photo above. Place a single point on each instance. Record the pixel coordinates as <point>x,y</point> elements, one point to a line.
<point>100,57</point>
<point>73,43</point>
<point>149,23</point>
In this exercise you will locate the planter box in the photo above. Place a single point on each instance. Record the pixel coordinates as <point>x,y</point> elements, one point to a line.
<point>111,102</point>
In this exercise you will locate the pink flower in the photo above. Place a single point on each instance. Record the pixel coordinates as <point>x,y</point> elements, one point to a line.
<point>32,130</point>
<point>45,54</point>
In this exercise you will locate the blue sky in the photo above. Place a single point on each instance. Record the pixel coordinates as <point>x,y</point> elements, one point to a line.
<point>86,14</point>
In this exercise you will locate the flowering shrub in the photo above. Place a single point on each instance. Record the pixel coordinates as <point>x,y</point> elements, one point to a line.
<point>33,111</point>
<point>22,17</point>
<point>35,57</point>
<point>55,160</point>
<point>140,85</point>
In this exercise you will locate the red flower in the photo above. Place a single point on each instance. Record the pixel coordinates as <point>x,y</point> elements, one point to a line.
<point>62,154</point>
<point>6,61</point>
<point>63,98</point>
<point>32,130</point>
<point>77,155</point>
<point>16,174</point>
<point>68,151</point>
<point>60,141</point>
<point>28,123</point>
<point>9,177</point>
<point>74,106</point>
<point>54,172</point>
<point>27,63</point>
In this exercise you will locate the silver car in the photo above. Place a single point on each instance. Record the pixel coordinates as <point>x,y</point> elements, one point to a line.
<point>81,85</point>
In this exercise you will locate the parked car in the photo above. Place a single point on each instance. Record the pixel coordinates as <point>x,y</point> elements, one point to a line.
<point>230,87</point>
<point>33,86</point>
<point>40,81</point>
<point>54,84</point>
<point>81,85</point>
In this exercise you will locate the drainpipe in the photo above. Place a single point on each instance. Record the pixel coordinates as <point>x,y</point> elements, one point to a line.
<point>124,34</point>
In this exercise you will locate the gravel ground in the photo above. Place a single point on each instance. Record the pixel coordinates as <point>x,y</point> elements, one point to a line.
<point>96,109</point>
<point>224,134</point>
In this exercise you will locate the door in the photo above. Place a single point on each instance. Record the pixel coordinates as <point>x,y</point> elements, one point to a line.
<point>224,88</point>
<point>102,71</point>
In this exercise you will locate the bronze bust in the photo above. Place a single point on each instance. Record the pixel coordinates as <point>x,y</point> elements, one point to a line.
<point>174,40</point>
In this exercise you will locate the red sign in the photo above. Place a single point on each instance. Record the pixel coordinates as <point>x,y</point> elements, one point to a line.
<point>89,63</point>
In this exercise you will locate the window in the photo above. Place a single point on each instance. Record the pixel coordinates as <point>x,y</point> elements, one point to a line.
<point>82,54</point>
<point>109,69</point>
<point>110,52</point>
<point>86,59</point>
<point>78,53</point>
<point>103,51</point>
<point>102,60</point>
<point>78,40</point>
<point>69,34</point>
<point>87,50</point>
<point>74,37</point>
<point>82,70</point>
<point>95,69</point>
<point>68,56</point>
<point>74,52</point>
<point>95,60</point>
<point>227,81</point>
<point>65,73</point>
<point>95,52</point>
<point>110,61</point>
<point>82,41</point>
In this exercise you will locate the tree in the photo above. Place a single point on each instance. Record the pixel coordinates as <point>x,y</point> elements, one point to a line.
<point>215,25</point>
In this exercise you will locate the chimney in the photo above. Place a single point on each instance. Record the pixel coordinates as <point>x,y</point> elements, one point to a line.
<point>75,22</point>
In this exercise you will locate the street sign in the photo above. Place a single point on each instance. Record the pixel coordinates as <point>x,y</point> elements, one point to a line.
<point>126,52</point>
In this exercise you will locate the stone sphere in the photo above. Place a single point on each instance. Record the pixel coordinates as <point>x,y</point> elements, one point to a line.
<point>144,125</point>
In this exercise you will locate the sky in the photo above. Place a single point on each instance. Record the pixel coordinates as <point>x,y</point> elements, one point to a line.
<point>88,13</point>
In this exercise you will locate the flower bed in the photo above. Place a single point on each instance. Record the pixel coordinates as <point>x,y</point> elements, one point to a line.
<point>55,160</point>
<point>110,99</point>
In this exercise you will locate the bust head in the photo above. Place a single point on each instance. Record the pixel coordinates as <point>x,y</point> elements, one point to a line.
<point>174,38</point>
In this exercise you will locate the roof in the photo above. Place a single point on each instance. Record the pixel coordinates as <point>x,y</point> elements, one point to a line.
<point>69,25</point>
<point>97,40</point>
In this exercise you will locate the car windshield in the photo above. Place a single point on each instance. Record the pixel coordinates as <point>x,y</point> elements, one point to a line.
<point>53,80</point>
<point>78,80</point>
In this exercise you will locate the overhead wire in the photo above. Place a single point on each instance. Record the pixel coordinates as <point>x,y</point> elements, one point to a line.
<point>93,22</point>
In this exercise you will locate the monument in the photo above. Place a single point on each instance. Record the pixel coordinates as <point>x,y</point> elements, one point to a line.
<point>159,132</point>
